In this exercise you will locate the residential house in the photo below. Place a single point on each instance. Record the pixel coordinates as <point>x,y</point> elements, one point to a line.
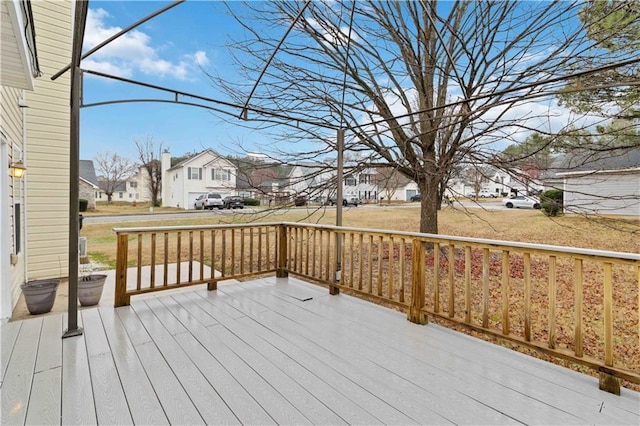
<point>34,131</point>
<point>133,189</point>
<point>198,174</point>
<point>88,184</point>
<point>601,183</point>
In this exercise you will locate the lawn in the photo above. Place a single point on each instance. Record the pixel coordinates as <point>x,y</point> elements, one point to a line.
<point>614,234</point>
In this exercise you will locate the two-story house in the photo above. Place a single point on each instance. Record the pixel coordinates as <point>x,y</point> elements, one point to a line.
<point>205,172</point>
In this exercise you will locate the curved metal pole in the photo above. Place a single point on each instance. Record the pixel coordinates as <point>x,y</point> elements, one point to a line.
<point>117,35</point>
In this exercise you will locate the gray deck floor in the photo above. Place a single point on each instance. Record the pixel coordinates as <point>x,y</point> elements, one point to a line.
<point>281,351</point>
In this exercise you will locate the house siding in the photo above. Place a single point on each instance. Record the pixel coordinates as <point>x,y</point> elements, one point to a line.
<point>603,193</point>
<point>12,268</point>
<point>48,145</point>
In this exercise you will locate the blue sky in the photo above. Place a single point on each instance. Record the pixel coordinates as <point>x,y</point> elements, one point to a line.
<point>171,50</point>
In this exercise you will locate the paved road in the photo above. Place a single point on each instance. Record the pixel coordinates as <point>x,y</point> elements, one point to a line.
<point>491,205</point>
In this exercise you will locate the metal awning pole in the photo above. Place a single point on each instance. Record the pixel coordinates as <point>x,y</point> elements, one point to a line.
<point>339,197</point>
<point>80,19</point>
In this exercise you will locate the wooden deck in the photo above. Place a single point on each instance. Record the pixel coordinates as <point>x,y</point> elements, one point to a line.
<point>280,351</point>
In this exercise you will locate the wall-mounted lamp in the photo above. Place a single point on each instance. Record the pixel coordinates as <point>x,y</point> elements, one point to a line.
<point>18,169</point>
<point>22,103</point>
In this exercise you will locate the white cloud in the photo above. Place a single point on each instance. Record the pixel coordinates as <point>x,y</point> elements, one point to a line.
<point>132,52</point>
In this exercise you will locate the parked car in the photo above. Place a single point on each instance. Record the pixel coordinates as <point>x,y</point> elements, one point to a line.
<point>521,201</point>
<point>209,201</point>
<point>355,202</point>
<point>484,193</point>
<point>300,200</point>
<point>233,202</point>
<point>415,197</point>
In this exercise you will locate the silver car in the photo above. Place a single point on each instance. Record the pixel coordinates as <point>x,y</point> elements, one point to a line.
<point>521,201</point>
<point>209,201</point>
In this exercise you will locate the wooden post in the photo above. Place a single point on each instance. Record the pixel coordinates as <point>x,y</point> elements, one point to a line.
<point>417,283</point>
<point>121,297</point>
<point>281,270</point>
<point>608,382</point>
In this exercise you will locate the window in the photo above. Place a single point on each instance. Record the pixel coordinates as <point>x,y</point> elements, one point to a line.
<point>133,184</point>
<point>364,178</point>
<point>137,197</point>
<point>17,228</point>
<point>350,181</point>
<point>120,195</point>
<point>221,174</point>
<point>194,173</point>
<point>130,195</point>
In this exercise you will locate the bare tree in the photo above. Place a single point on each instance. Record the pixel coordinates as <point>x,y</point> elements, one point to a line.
<point>149,155</point>
<point>419,86</point>
<point>389,181</point>
<point>112,170</point>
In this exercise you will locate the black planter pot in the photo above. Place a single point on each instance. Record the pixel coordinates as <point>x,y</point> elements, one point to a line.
<point>39,295</point>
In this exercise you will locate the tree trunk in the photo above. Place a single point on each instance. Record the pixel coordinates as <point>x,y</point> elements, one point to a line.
<point>429,200</point>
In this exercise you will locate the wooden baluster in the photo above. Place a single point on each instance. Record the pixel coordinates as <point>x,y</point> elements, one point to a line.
<point>307,241</point>
<point>260,249</point>
<point>436,277</point>
<point>578,275</point>
<point>178,256</point>
<point>527,297</point>
<point>202,255</point>
<point>190,271</point>
<point>213,284</point>
<point>452,265</point>
<point>165,278</point>
<point>485,287</point>
<point>327,257</point>
<point>223,253</point>
<point>351,258</point>
<point>153,260</point>
<point>370,269</point>
<point>379,284</point>
<point>505,292</point>
<point>392,255</point>
<point>552,302</point>
<point>251,249</point>
<point>467,284</point>
<point>241,257</point>
<point>402,254</point>
<point>360,260</point>
<point>139,264</point>
<point>268,248</point>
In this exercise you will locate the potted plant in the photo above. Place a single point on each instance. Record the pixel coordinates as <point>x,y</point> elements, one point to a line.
<point>39,295</point>
<point>90,288</point>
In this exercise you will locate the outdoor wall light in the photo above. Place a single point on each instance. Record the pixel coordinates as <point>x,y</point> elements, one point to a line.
<point>18,169</point>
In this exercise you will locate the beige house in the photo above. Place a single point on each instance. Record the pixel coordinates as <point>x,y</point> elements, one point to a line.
<point>34,132</point>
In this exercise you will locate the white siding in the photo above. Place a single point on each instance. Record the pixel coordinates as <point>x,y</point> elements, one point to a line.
<point>603,193</point>
<point>48,144</point>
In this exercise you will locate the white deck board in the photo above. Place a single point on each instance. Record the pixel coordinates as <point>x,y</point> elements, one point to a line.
<point>44,403</point>
<point>281,351</point>
<point>16,387</point>
<point>8,335</point>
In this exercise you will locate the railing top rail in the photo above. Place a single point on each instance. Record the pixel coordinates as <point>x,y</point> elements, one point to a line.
<point>139,229</point>
<point>498,244</point>
<point>501,244</point>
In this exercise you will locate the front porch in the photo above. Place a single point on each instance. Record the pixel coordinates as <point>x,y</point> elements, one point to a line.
<point>281,351</point>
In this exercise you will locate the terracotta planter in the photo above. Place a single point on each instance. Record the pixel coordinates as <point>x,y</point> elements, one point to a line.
<point>90,289</point>
<point>39,295</point>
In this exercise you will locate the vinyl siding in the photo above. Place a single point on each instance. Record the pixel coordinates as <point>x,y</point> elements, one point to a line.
<point>11,125</point>
<point>48,144</point>
<point>603,193</point>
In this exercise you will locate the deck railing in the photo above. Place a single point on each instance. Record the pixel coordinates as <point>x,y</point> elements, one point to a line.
<point>574,304</point>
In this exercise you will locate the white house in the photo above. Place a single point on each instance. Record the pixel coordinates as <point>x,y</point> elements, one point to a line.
<point>199,174</point>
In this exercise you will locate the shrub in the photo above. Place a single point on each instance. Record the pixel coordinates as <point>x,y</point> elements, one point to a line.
<point>251,202</point>
<point>551,202</point>
<point>83,204</point>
